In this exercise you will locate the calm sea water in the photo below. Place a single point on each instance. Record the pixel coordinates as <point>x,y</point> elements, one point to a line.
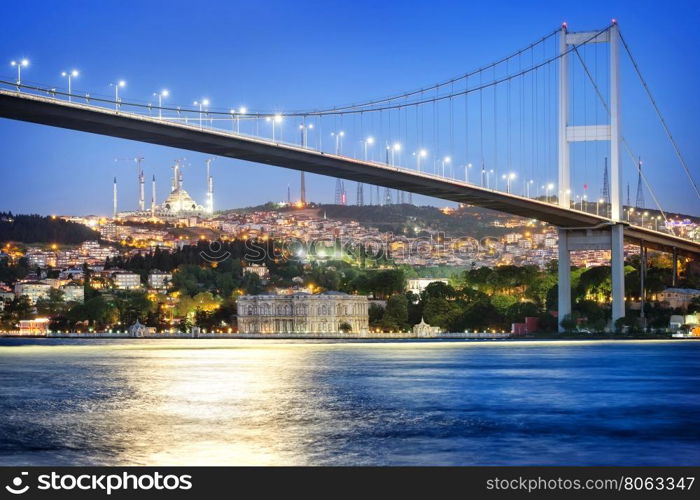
<point>196,402</point>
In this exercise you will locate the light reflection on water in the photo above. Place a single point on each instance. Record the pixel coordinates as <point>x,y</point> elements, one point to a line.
<point>201,402</point>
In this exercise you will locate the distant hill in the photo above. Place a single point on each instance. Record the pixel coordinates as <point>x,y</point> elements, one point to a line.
<point>40,229</point>
<point>412,220</point>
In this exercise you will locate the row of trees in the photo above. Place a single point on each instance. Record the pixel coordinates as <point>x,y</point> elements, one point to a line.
<point>40,229</point>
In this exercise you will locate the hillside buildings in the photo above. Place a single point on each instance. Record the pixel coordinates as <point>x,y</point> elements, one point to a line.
<point>677,297</point>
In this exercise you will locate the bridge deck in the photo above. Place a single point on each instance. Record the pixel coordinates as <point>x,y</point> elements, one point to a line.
<point>86,118</point>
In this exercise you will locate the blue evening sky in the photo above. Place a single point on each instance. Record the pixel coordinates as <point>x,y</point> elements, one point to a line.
<point>283,55</point>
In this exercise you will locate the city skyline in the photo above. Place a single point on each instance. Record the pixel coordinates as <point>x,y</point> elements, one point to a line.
<point>91,158</point>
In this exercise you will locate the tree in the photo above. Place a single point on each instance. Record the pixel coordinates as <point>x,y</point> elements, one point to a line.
<point>503,302</point>
<point>439,311</point>
<point>479,315</point>
<point>375,313</point>
<point>52,304</point>
<point>568,323</point>
<point>396,313</point>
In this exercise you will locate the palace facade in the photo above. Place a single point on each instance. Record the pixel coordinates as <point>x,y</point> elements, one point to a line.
<point>303,313</point>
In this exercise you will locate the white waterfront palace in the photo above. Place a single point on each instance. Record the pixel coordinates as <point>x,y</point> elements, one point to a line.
<point>302,312</point>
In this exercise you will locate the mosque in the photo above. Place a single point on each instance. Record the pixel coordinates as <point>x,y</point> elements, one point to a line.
<point>178,203</point>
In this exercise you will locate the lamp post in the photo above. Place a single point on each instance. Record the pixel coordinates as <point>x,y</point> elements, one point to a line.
<point>304,130</point>
<point>467,168</point>
<point>117,86</point>
<point>201,104</point>
<point>368,142</point>
<point>445,160</point>
<point>241,111</point>
<point>395,149</point>
<point>548,188</point>
<point>420,154</point>
<point>597,206</point>
<point>22,63</point>
<point>160,95</point>
<point>338,141</point>
<point>644,214</point>
<point>488,178</point>
<point>70,75</point>
<point>509,177</point>
<point>527,186</point>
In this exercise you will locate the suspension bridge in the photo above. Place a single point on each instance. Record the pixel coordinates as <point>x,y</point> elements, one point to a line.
<point>517,136</point>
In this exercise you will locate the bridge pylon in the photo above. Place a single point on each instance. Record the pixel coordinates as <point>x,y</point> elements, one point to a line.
<point>609,236</point>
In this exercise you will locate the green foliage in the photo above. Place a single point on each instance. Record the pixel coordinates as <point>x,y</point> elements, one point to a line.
<point>53,304</point>
<point>503,302</point>
<point>40,229</point>
<point>15,310</point>
<point>568,323</point>
<point>375,313</point>
<point>396,313</point>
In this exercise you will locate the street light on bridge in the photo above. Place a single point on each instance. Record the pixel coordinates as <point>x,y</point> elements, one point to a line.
<point>508,177</point>
<point>201,104</point>
<point>338,141</point>
<point>70,75</point>
<point>395,149</point>
<point>368,142</point>
<point>548,188</point>
<point>420,154</point>
<point>160,95</point>
<point>241,111</point>
<point>22,63</point>
<point>304,129</point>
<point>274,120</point>
<point>445,160</point>
<point>117,86</point>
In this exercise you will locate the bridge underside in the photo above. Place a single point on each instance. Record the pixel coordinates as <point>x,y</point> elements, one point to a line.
<point>84,118</point>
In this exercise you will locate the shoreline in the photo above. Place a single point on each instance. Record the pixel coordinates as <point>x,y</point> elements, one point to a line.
<point>381,337</point>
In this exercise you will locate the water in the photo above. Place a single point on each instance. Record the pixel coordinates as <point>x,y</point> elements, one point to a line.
<point>197,402</point>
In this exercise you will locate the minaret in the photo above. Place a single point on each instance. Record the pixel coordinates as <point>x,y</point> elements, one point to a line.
<point>142,200</point>
<point>303,189</point>
<point>114,199</point>
<point>606,184</point>
<point>153,196</point>
<point>210,188</point>
<point>176,175</point>
<point>639,203</point>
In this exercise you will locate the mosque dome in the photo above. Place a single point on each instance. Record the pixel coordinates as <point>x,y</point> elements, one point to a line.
<point>179,200</point>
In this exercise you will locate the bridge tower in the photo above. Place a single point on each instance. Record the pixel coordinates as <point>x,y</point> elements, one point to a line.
<point>608,236</point>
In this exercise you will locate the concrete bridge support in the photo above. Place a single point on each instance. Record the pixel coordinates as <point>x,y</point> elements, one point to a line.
<point>609,237</point>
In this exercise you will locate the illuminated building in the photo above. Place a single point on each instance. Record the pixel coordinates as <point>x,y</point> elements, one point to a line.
<point>678,297</point>
<point>38,326</point>
<point>126,281</point>
<point>303,313</point>
<point>261,270</point>
<point>34,290</point>
<point>159,280</point>
<point>417,285</point>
